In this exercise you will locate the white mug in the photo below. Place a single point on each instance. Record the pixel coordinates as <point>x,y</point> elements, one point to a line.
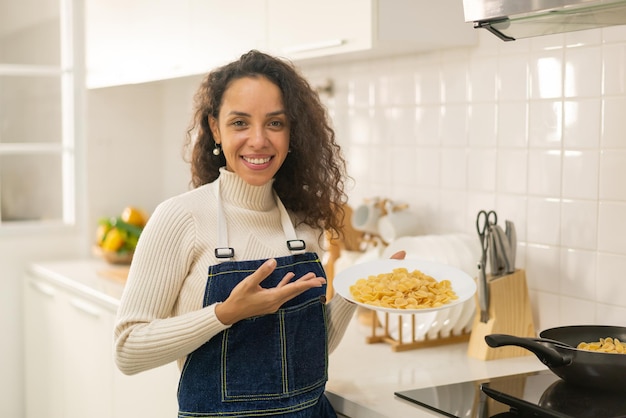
<point>365,217</point>
<point>398,224</point>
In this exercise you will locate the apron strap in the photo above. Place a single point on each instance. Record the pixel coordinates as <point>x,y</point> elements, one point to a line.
<point>222,250</point>
<point>295,245</point>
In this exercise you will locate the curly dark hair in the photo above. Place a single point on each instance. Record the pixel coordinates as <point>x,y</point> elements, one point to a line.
<point>311,180</point>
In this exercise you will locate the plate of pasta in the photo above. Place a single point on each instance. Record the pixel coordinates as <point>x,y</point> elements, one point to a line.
<point>406,286</point>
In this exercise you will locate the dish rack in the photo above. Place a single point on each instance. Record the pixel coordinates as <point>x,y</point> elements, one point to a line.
<point>381,332</point>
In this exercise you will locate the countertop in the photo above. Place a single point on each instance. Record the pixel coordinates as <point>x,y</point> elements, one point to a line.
<point>362,377</point>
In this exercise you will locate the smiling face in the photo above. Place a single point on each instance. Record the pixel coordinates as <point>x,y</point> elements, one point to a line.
<point>252,129</point>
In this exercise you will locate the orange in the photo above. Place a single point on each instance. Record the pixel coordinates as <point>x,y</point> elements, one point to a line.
<point>134,216</point>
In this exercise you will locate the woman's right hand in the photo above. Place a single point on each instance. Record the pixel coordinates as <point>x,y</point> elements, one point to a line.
<point>249,299</point>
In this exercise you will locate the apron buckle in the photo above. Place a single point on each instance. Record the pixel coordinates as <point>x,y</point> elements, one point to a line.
<point>224,252</point>
<point>296,245</point>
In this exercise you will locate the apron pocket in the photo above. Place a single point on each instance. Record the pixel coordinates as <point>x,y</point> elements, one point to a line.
<point>304,337</point>
<point>252,371</point>
<point>289,358</point>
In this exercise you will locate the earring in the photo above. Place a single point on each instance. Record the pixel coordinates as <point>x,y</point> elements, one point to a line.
<point>217,150</point>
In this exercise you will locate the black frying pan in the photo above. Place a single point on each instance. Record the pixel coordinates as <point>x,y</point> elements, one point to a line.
<point>582,402</point>
<point>557,349</point>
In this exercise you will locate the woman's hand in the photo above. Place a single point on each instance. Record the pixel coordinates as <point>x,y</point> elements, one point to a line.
<point>399,255</point>
<point>249,299</point>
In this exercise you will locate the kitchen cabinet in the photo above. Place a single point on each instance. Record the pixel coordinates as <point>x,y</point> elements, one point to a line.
<point>70,372</point>
<point>43,330</point>
<point>41,79</point>
<point>360,28</point>
<point>146,40</point>
<point>148,394</point>
<point>220,31</point>
<point>86,358</point>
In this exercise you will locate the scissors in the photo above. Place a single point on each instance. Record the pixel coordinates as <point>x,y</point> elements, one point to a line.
<point>483,221</point>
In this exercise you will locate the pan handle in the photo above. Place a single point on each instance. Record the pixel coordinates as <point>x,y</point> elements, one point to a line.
<point>546,353</point>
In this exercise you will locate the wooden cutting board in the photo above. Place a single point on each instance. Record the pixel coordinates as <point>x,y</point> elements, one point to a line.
<point>118,274</point>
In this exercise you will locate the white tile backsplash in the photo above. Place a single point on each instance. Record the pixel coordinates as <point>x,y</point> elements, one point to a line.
<point>480,169</point>
<point>482,124</point>
<point>512,171</point>
<point>546,74</point>
<point>512,124</point>
<point>582,123</point>
<point>583,71</point>
<point>545,123</point>
<point>612,227</point>
<point>579,227</point>
<point>534,129</point>
<point>610,288</point>
<point>513,78</point>
<point>612,174</point>
<point>544,172</point>
<point>580,174</point>
<point>614,68</point>
<point>613,122</point>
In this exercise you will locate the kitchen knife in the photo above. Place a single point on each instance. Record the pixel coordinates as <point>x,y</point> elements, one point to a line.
<point>511,235</point>
<point>492,251</point>
<point>503,250</point>
<point>483,292</point>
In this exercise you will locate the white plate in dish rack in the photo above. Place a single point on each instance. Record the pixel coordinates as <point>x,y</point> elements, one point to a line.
<point>462,284</point>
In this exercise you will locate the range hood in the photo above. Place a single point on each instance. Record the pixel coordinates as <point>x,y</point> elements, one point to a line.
<point>515,19</point>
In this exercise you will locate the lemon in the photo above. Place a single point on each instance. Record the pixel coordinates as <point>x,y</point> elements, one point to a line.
<point>134,216</point>
<point>113,240</point>
<point>101,232</point>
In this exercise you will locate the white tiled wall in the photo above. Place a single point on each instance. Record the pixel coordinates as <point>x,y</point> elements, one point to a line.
<point>535,129</point>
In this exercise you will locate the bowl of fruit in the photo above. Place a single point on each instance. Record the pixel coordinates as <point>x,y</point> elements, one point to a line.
<point>117,236</point>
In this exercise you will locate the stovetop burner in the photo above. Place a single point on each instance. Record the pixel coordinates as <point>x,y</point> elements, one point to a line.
<point>537,394</point>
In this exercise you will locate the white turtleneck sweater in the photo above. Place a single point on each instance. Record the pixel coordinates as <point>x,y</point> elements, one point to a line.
<point>161,318</point>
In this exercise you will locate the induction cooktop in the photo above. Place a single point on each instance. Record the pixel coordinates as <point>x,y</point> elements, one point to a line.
<point>536,394</point>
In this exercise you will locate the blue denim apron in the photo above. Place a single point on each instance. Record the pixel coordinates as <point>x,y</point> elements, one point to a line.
<point>269,365</point>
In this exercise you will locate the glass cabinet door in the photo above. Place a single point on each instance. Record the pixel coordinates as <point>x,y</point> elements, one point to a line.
<point>36,112</point>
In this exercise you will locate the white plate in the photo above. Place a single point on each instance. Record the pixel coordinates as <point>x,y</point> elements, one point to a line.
<point>462,284</point>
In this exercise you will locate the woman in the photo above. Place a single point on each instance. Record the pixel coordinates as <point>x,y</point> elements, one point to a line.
<point>252,336</point>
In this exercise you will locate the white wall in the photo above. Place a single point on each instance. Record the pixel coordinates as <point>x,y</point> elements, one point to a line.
<point>135,137</point>
<point>533,129</point>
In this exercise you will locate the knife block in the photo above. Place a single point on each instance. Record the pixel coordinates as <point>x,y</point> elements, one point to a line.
<point>509,313</point>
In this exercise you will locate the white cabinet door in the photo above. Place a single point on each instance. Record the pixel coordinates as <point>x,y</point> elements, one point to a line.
<point>365,28</point>
<point>135,41</point>
<point>220,31</point>
<point>147,394</point>
<point>43,340</point>
<point>88,358</point>
<point>314,28</point>
<point>69,366</point>
<point>147,40</point>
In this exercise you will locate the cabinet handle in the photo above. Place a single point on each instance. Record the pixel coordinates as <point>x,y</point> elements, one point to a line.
<point>43,288</point>
<point>330,43</point>
<point>85,307</point>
